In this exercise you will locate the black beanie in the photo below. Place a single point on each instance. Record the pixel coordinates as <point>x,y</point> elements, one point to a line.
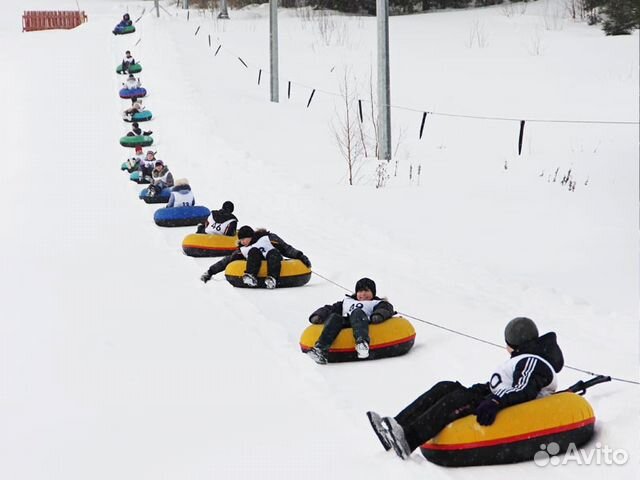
<point>245,232</point>
<point>366,284</point>
<point>227,206</point>
<point>519,331</point>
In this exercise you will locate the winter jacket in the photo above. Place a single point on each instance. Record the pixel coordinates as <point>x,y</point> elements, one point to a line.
<point>221,222</point>
<point>383,308</point>
<point>125,23</point>
<point>181,196</point>
<point>127,62</point>
<point>132,83</point>
<point>529,373</point>
<point>162,178</point>
<point>283,247</point>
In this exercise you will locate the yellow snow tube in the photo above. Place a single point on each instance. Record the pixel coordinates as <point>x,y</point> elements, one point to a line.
<point>390,338</point>
<point>206,245</point>
<point>516,435</point>
<point>294,273</point>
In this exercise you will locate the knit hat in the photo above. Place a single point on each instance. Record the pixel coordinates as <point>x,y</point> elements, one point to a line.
<point>159,162</point>
<point>245,232</point>
<point>228,206</point>
<point>519,331</point>
<point>138,149</point>
<point>181,182</point>
<point>366,284</point>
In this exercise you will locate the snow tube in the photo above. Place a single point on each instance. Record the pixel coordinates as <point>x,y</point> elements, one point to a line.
<point>160,197</point>
<point>180,216</point>
<point>133,92</point>
<point>124,30</point>
<point>391,338</point>
<point>137,177</point>
<point>294,273</point>
<point>136,140</point>
<point>135,68</point>
<point>143,116</point>
<point>206,245</point>
<point>516,435</point>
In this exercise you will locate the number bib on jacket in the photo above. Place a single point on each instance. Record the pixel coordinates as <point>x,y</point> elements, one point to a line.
<point>183,199</point>
<point>350,304</point>
<point>264,245</point>
<point>218,228</point>
<point>501,382</point>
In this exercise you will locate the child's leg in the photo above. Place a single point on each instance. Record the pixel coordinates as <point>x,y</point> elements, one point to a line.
<point>274,263</point>
<point>360,325</point>
<point>254,259</point>
<point>332,328</point>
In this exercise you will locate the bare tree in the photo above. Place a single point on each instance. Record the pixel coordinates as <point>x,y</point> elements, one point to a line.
<point>346,130</point>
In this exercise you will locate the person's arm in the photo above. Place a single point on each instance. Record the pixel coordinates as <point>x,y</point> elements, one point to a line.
<point>172,200</point>
<point>529,377</point>
<point>383,311</point>
<point>322,313</point>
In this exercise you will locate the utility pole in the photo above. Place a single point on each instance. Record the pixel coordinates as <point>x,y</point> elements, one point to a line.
<point>384,96</point>
<point>223,10</point>
<point>157,5</point>
<point>273,35</point>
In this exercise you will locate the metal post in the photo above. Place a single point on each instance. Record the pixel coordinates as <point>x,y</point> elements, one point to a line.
<point>384,96</point>
<point>224,14</point>
<point>185,4</point>
<point>157,5</point>
<point>273,35</point>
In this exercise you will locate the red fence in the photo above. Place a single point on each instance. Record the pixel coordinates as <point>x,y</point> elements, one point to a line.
<point>51,20</point>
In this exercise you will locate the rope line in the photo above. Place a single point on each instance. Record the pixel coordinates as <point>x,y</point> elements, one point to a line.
<point>477,339</point>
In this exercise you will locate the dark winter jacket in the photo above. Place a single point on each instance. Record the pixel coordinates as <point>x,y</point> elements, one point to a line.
<point>220,217</point>
<point>530,375</point>
<point>384,309</point>
<point>283,247</point>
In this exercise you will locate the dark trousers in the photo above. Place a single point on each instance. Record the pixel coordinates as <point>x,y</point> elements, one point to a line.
<point>274,262</point>
<point>357,320</point>
<point>435,409</point>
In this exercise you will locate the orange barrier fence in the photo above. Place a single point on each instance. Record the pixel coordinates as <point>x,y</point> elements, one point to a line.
<point>33,20</point>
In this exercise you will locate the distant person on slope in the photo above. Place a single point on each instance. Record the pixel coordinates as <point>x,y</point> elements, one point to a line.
<point>126,21</point>
<point>136,131</point>
<point>161,178</point>
<point>356,311</point>
<point>134,162</point>
<point>131,82</point>
<point>146,165</point>
<point>136,107</point>
<point>220,222</point>
<point>529,373</point>
<point>181,195</point>
<point>255,246</point>
<point>127,61</point>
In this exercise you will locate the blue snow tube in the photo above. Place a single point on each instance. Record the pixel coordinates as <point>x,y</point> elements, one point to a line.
<point>133,92</point>
<point>143,116</point>
<point>160,197</point>
<point>180,216</point>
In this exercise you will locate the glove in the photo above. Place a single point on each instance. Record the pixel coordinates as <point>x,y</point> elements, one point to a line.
<point>377,318</point>
<point>206,276</point>
<point>315,319</point>
<point>487,410</point>
<point>305,260</point>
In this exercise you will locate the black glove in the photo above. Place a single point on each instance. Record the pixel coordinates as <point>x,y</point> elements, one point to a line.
<point>377,318</point>
<point>315,319</point>
<point>206,276</point>
<point>487,410</point>
<point>305,260</point>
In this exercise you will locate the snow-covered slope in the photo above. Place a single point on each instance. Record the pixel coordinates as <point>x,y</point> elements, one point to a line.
<point>118,363</point>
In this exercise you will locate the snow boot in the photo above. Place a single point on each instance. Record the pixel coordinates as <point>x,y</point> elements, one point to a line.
<point>317,355</point>
<point>396,437</point>
<point>379,429</point>
<point>270,282</point>
<point>249,280</point>
<point>362,349</point>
